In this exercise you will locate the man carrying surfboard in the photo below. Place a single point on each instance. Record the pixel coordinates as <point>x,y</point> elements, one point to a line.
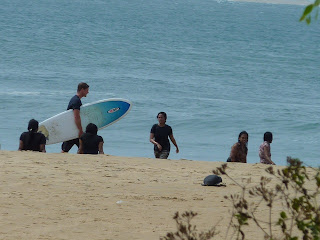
<point>75,104</point>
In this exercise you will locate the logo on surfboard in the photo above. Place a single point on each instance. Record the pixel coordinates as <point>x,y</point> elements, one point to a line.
<point>112,110</point>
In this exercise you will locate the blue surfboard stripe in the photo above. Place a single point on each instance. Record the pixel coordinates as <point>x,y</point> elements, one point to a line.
<point>109,112</point>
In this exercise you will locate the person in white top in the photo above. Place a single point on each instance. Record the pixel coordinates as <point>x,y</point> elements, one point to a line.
<point>265,149</point>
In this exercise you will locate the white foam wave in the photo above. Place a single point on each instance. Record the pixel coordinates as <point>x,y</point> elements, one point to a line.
<point>19,93</point>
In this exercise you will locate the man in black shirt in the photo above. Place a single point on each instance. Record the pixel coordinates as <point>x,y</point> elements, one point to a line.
<point>75,104</point>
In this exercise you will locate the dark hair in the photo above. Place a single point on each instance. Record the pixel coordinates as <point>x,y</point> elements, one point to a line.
<point>267,136</point>
<point>33,125</point>
<point>92,128</point>
<point>33,129</point>
<point>164,114</point>
<point>82,85</point>
<point>243,132</point>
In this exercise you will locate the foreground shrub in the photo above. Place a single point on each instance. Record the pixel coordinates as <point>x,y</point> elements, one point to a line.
<point>186,231</point>
<point>296,190</point>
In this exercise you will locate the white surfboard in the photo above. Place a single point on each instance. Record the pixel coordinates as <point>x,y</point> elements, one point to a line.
<point>103,113</point>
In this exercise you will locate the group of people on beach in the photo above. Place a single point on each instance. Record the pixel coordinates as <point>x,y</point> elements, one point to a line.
<point>89,142</point>
<point>239,150</point>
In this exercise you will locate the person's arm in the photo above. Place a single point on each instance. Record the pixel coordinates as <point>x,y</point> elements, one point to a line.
<point>173,140</point>
<point>80,149</point>
<point>20,145</point>
<point>245,159</point>
<point>101,148</point>
<point>42,148</point>
<point>43,142</point>
<point>233,153</point>
<point>154,142</point>
<point>266,155</point>
<point>77,120</point>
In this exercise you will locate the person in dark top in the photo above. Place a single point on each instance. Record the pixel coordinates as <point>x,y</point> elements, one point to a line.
<point>159,137</point>
<point>90,142</point>
<point>75,104</point>
<point>32,140</point>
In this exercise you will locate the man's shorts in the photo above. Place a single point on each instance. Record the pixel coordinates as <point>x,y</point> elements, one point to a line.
<point>66,146</point>
<point>162,155</point>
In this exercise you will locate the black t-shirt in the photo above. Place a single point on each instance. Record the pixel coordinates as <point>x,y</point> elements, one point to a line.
<point>161,135</point>
<point>74,103</point>
<point>32,141</point>
<point>91,143</point>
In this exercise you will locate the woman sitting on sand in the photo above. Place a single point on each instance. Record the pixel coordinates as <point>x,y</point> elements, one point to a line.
<point>239,150</point>
<point>90,142</point>
<point>32,140</point>
<point>265,150</point>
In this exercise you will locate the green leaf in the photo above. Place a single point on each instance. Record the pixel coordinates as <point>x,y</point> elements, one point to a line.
<point>308,9</point>
<point>316,3</point>
<point>308,20</point>
<point>283,215</point>
<point>306,12</point>
<point>295,204</point>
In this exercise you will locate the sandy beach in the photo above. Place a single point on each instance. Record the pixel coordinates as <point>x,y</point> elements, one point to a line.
<point>69,196</point>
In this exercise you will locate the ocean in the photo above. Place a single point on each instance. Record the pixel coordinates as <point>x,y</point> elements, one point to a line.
<point>215,67</point>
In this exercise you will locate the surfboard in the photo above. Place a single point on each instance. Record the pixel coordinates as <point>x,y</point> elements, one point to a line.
<point>103,113</point>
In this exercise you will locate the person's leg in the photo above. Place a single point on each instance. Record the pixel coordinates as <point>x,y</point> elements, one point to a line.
<point>164,154</point>
<point>66,146</point>
<point>77,142</point>
<point>156,154</point>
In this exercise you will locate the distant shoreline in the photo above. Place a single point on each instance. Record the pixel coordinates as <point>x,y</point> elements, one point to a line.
<point>289,2</point>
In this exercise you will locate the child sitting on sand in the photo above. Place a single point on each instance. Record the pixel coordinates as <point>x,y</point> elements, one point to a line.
<point>265,150</point>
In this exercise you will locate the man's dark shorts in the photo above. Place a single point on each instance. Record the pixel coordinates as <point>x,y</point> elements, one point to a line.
<point>162,155</point>
<point>66,146</point>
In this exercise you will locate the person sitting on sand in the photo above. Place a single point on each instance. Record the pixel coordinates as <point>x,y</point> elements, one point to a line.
<point>90,142</point>
<point>32,140</point>
<point>239,150</point>
<point>159,137</point>
<point>265,149</point>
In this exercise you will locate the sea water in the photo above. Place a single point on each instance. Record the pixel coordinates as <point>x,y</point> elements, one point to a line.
<point>215,67</point>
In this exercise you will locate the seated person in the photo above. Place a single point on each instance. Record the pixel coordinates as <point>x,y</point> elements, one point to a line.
<point>265,149</point>
<point>32,140</point>
<point>90,142</point>
<point>239,150</point>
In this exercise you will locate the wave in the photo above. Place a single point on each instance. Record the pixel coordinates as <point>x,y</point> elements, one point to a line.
<point>19,93</point>
<point>249,102</point>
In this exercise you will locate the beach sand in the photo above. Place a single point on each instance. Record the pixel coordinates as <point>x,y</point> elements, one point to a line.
<point>70,196</point>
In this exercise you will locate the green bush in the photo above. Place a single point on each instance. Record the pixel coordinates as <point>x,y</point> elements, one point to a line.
<point>296,189</point>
